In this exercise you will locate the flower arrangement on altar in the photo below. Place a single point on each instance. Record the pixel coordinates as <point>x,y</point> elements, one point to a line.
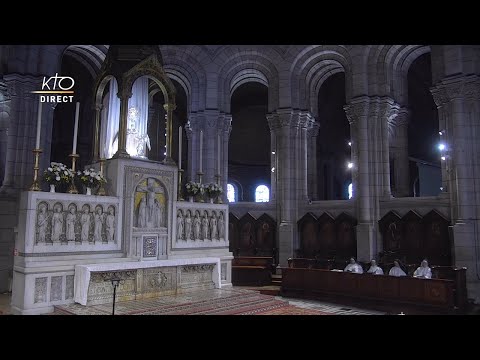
<point>57,174</point>
<point>91,178</point>
<point>213,190</point>
<point>193,188</point>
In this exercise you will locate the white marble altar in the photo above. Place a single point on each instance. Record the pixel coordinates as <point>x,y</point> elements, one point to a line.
<point>64,241</point>
<point>83,272</point>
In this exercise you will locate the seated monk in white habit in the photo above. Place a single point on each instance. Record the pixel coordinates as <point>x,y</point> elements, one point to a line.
<point>423,271</point>
<point>353,267</point>
<point>396,270</point>
<point>374,269</point>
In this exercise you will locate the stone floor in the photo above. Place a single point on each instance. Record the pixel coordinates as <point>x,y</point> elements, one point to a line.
<point>212,302</point>
<point>238,300</point>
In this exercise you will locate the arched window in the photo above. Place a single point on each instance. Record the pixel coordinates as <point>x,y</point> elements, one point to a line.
<point>262,194</point>
<point>350,191</point>
<point>231,193</point>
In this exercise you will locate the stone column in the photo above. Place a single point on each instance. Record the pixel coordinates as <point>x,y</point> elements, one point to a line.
<point>273,163</point>
<point>225,138</point>
<point>210,132</point>
<point>458,99</point>
<point>223,129</point>
<point>357,113</point>
<point>400,153</point>
<point>190,172</point>
<point>4,124</point>
<point>301,149</point>
<point>96,134</point>
<point>169,108</point>
<point>21,130</point>
<point>282,122</point>
<point>388,112</point>
<point>122,128</point>
<point>312,160</point>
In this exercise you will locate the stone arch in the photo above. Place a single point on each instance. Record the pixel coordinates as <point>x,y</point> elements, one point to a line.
<point>388,67</point>
<point>90,56</point>
<point>312,66</point>
<point>245,67</point>
<point>184,67</point>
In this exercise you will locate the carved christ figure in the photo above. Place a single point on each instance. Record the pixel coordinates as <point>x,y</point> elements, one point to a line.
<point>213,227</point>
<point>71,218</point>
<point>99,220</point>
<point>188,226</point>
<point>42,221</point>
<point>197,224</point>
<point>110,225</point>
<point>85,222</point>
<point>221,227</point>
<point>57,224</point>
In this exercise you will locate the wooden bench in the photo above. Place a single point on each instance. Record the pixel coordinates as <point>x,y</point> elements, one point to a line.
<point>382,291</point>
<point>252,270</point>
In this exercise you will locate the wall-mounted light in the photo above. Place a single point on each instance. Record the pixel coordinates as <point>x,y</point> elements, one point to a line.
<point>442,146</point>
<point>273,152</point>
<point>443,158</point>
<point>441,188</point>
<point>273,169</point>
<point>441,132</point>
<point>349,143</point>
<point>350,165</point>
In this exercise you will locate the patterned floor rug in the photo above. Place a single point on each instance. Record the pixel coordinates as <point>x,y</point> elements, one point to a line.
<point>212,302</point>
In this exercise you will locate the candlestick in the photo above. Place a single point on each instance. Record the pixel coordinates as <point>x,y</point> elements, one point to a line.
<point>201,151</point>
<point>200,175</point>
<point>39,125</point>
<point>218,154</point>
<point>101,190</point>
<point>75,129</point>
<point>180,147</point>
<point>35,185</point>
<point>219,197</point>
<point>73,189</point>
<point>180,191</point>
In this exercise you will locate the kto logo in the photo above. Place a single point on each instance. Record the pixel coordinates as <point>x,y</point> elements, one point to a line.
<point>59,85</point>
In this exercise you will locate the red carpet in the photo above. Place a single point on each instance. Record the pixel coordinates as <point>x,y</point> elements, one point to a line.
<point>207,303</point>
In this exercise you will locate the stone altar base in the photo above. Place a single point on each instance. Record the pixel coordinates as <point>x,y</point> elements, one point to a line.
<point>143,280</point>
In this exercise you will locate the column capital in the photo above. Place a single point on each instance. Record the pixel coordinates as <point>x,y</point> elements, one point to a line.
<point>314,129</point>
<point>456,87</point>
<point>403,117</point>
<point>280,118</point>
<point>388,109</point>
<point>4,92</point>
<point>305,120</point>
<point>358,107</point>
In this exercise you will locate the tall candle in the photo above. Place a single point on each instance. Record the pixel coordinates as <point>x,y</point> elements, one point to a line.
<point>75,130</point>
<point>39,125</point>
<point>218,155</point>
<point>180,147</point>
<point>201,150</point>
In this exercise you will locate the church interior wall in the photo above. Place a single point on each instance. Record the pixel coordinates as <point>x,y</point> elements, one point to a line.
<point>209,75</point>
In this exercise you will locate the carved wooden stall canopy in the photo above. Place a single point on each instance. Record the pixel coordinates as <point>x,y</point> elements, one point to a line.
<point>252,237</point>
<point>413,238</point>
<point>326,237</point>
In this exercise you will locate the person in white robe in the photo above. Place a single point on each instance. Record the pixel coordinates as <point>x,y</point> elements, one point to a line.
<point>396,270</point>
<point>374,269</point>
<point>353,267</point>
<point>423,271</point>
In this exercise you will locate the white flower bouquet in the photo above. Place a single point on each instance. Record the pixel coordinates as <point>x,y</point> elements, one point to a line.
<point>193,188</point>
<point>91,178</point>
<point>57,174</point>
<point>213,190</point>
